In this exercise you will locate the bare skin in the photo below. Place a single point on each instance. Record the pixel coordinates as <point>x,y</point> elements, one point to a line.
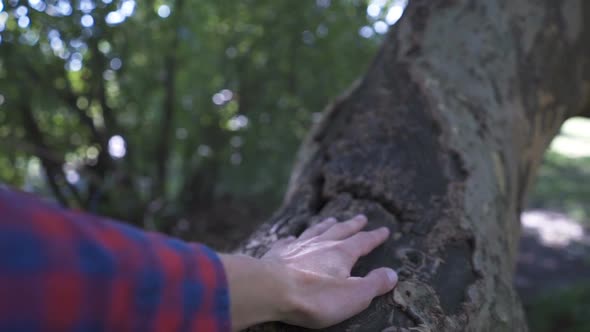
<point>306,281</point>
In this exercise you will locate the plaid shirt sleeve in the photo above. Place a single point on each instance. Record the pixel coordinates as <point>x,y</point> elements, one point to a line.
<point>68,271</point>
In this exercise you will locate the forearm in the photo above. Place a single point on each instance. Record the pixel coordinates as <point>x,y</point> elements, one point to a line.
<point>84,272</point>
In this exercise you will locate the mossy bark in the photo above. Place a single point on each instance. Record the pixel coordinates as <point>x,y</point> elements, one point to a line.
<point>440,141</point>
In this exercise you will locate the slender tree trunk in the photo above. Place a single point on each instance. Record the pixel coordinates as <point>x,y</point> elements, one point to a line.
<point>440,142</point>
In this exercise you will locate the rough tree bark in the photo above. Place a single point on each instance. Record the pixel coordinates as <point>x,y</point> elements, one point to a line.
<point>440,142</point>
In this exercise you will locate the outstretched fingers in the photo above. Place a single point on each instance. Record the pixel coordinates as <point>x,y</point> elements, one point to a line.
<point>363,243</point>
<point>283,242</point>
<point>318,229</point>
<point>345,229</point>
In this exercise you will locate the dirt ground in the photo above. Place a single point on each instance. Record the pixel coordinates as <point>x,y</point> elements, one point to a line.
<point>554,253</point>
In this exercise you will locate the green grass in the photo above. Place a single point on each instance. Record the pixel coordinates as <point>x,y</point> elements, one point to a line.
<point>563,184</point>
<point>566,310</point>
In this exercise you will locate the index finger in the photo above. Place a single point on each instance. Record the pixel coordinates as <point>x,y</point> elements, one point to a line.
<point>363,243</point>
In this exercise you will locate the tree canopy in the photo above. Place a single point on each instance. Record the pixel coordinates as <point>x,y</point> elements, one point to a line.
<point>121,107</point>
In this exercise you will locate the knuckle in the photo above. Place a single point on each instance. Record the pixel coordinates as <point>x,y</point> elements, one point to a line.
<point>364,240</point>
<point>339,226</point>
<point>312,229</point>
<point>373,236</point>
<point>348,226</point>
<point>348,250</point>
<point>340,246</point>
<point>365,236</point>
<point>366,302</point>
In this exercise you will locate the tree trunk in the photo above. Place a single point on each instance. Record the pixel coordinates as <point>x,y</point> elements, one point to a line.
<point>440,142</point>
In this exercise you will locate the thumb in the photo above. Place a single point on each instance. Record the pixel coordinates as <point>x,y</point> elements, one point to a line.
<point>380,281</point>
<point>377,282</point>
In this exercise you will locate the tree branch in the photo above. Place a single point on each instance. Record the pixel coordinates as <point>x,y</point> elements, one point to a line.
<point>67,96</point>
<point>98,136</point>
<point>51,167</point>
<point>162,152</point>
<point>98,67</point>
<point>14,144</point>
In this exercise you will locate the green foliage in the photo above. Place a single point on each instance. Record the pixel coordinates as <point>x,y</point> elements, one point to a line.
<point>560,186</point>
<point>566,310</point>
<point>204,98</point>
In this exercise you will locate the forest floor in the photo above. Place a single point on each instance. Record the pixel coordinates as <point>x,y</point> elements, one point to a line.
<point>554,253</point>
<point>553,272</point>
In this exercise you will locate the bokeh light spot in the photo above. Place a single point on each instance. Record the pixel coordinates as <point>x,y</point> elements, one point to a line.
<point>164,11</point>
<point>87,21</point>
<point>117,147</point>
<point>366,32</point>
<point>380,27</point>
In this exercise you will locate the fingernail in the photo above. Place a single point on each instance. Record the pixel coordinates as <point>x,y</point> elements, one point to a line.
<point>330,220</point>
<point>384,230</point>
<point>361,217</point>
<point>392,276</point>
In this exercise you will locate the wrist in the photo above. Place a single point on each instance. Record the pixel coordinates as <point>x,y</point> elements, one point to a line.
<point>288,296</point>
<point>259,290</point>
<point>284,293</point>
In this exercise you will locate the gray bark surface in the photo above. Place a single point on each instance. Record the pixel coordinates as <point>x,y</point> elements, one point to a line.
<point>440,141</point>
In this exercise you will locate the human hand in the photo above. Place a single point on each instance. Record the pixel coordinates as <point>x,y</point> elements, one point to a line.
<point>320,291</point>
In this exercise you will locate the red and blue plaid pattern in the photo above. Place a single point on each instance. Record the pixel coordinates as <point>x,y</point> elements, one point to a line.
<point>68,271</point>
